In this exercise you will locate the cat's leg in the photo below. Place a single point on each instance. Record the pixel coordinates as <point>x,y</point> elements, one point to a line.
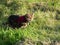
<point>24,25</point>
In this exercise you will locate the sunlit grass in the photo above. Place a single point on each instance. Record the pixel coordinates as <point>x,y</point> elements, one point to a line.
<point>44,27</point>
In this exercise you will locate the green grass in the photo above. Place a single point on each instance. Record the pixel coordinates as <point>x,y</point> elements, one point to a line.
<point>44,27</point>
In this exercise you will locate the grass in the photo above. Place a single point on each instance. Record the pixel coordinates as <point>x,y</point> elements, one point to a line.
<point>44,27</point>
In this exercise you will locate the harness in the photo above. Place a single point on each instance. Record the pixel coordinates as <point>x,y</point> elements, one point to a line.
<point>21,19</point>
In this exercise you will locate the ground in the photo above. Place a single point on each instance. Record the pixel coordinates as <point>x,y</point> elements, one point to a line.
<point>44,28</point>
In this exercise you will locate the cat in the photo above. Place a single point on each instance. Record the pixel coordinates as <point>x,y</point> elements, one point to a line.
<point>16,21</point>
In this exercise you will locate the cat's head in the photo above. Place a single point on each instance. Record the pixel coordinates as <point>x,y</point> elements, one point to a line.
<point>29,17</point>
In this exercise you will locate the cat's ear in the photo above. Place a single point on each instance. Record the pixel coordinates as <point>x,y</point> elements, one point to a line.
<point>32,14</point>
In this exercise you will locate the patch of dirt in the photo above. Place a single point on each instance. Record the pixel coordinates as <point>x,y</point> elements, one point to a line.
<point>30,42</point>
<point>44,8</point>
<point>25,42</point>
